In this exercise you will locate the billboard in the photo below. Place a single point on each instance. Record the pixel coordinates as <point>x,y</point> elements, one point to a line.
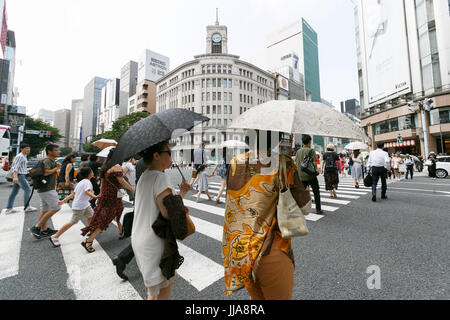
<point>152,66</point>
<point>386,54</point>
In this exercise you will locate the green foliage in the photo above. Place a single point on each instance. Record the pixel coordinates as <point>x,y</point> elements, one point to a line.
<point>119,127</point>
<point>36,143</point>
<point>65,151</point>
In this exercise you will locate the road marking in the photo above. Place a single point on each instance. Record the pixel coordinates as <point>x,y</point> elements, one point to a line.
<point>423,190</point>
<point>208,229</point>
<point>325,208</point>
<point>92,276</point>
<point>11,232</point>
<point>346,192</point>
<point>204,207</point>
<point>197,269</point>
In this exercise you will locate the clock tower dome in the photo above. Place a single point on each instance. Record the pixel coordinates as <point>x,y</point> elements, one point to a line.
<point>216,38</point>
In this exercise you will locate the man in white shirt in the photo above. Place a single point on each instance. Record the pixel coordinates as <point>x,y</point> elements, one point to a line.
<point>20,171</point>
<point>379,163</point>
<point>409,166</point>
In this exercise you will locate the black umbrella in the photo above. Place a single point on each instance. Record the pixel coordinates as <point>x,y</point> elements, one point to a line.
<point>154,129</point>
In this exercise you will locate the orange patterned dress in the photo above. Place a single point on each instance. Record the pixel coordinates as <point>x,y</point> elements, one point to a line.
<point>250,215</point>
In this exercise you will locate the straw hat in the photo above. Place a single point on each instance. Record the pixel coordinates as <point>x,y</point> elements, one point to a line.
<point>330,147</point>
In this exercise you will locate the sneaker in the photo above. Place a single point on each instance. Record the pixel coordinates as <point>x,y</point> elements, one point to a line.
<point>35,232</point>
<point>30,209</point>
<point>48,232</point>
<point>54,241</point>
<point>9,211</point>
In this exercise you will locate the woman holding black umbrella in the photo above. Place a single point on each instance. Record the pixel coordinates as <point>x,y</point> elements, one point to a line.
<point>109,206</point>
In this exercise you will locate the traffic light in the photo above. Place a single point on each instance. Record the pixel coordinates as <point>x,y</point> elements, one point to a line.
<point>411,106</point>
<point>399,139</point>
<point>45,134</point>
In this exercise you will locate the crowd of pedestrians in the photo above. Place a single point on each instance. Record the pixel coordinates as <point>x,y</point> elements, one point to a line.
<point>266,270</point>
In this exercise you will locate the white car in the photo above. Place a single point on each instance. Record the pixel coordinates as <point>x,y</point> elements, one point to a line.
<point>442,167</point>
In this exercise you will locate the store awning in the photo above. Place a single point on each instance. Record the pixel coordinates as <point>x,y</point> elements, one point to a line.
<point>404,144</point>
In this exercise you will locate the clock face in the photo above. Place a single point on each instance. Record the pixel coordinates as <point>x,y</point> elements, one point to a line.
<point>216,37</point>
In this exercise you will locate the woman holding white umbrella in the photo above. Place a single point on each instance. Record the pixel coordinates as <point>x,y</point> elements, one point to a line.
<point>357,159</point>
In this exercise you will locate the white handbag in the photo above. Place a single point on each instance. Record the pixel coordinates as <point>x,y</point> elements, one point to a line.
<point>9,176</point>
<point>291,220</point>
<point>121,193</point>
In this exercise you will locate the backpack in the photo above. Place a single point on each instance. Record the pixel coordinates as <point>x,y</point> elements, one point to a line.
<point>222,169</point>
<point>330,163</point>
<point>37,175</point>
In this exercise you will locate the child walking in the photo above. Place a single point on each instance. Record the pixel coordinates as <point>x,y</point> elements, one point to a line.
<point>202,178</point>
<point>80,206</point>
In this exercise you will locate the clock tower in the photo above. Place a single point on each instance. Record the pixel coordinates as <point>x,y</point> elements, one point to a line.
<point>216,38</point>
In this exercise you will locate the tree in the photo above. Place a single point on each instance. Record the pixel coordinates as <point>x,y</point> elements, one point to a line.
<point>36,143</point>
<point>65,151</point>
<point>119,127</point>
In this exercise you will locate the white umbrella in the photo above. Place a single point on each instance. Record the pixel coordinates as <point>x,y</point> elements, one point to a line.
<point>104,143</point>
<point>356,146</point>
<point>294,116</point>
<point>234,144</point>
<point>104,153</point>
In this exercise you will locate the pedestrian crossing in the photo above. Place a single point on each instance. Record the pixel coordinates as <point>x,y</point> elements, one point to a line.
<point>93,276</point>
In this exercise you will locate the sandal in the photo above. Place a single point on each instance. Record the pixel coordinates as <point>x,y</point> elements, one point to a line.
<point>89,247</point>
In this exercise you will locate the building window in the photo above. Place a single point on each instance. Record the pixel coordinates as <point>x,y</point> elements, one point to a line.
<point>208,83</point>
<point>203,83</point>
<point>219,111</point>
<point>225,122</point>
<point>230,110</point>
<point>214,96</point>
<point>219,96</point>
<point>230,85</point>
<point>440,115</point>
<point>230,97</point>
<point>214,110</point>
<point>219,68</point>
<point>240,110</point>
<point>203,109</point>
<point>240,97</point>
<point>214,122</point>
<point>219,122</point>
<point>214,83</point>
<point>203,96</point>
<point>208,96</point>
<point>219,83</point>
<point>203,68</point>
<point>225,83</point>
<point>208,110</point>
<point>208,69</point>
<point>229,68</point>
<point>224,68</point>
<point>193,98</point>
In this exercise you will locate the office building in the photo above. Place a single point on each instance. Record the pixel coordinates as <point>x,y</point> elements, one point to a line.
<point>76,117</point>
<point>62,122</point>
<point>91,106</point>
<point>128,83</point>
<point>403,50</point>
<point>216,84</point>
<point>351,106</point>
<point>46,115</point>
<point>109,107</point>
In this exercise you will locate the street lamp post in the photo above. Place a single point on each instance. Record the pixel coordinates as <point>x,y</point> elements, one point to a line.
<point>425,131</point>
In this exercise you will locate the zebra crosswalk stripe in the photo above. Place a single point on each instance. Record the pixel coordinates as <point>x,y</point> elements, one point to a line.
<point>11,230</point>
<point>92,276</point>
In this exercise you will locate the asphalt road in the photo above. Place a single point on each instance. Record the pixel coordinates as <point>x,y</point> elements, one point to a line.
<point>406,237</point>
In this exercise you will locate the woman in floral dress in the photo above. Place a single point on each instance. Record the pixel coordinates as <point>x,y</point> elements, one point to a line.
<point>109,206</point>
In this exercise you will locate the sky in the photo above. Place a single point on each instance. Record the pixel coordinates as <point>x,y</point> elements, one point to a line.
<point>63,44</point>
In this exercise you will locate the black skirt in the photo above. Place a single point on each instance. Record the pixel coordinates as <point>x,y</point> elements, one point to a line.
<point>331,180</point>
